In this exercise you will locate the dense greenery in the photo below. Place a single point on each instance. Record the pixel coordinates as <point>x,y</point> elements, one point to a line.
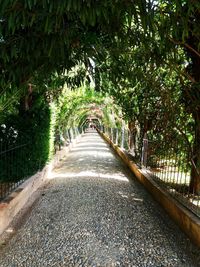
<point>75,107</point>
<point>36,127</point>
<point>144,54</point>
<point>24,141</point>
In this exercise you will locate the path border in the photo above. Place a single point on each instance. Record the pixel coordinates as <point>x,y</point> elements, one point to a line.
<point>184,218</point>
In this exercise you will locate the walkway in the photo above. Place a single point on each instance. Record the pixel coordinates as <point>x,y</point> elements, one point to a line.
<point>93,213</point>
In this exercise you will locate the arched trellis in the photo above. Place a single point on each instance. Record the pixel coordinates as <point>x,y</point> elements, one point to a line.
<point>84,103</point>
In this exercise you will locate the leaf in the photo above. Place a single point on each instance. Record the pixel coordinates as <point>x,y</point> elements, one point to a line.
<point>10,22</point>
<point>32,19</point>
<point>69,4</point>
<point>29,4</point>
<point>46,24</point>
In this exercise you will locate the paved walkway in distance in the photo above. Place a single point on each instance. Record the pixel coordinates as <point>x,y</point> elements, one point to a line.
<point>94,213</point>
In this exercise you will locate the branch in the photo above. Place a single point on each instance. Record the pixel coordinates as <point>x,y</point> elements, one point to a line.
<point>184,44</point>
<point>176,68</point>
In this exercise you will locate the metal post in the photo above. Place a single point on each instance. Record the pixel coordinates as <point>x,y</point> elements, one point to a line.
<point>76,132</point>
<point>117,135</point>
<point>70,135</point>
<point>122,141</point>
<point>111,134</point>
<point>144,151</point>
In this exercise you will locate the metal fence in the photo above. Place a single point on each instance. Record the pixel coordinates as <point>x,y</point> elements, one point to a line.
<point>169,165</point>
<point>66,137</point>
<point>16,158</point>
<point>167,162</point>
<point>118,136</point>
<point>12,173</point>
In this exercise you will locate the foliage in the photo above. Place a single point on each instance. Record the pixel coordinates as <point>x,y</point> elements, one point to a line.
<point>44,37</point>
<point>24,138</point>
<point>84,103</point>
<point>146,56</point>
<point>149,89</point>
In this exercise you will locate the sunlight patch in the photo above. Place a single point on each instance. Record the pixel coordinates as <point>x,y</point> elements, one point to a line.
<point>91,174</point>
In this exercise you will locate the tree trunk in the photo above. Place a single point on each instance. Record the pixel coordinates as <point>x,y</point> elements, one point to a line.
<point>195,110</point>
<point>195,171</point>
<point>28,98</point>
<point>132,137</point>
<point>194,107</point>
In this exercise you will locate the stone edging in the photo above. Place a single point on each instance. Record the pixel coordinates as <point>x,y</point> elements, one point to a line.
<point>17,199</point>
<point>186,220</point>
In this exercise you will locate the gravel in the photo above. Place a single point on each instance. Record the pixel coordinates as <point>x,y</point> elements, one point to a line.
<point>94,213</point>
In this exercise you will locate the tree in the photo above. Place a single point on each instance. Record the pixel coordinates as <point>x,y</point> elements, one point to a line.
<point>42,38</point>
<point>179,27</point>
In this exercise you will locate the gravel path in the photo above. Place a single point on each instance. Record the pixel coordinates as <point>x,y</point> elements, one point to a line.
<point>94,213</point>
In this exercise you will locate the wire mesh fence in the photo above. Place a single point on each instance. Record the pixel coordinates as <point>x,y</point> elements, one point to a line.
<point>168,162</point>
<point>17,162</point>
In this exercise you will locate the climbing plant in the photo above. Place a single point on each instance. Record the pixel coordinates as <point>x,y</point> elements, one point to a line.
<point>76,106</point>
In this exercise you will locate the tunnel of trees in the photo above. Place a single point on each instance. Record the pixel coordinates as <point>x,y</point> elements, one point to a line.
<point>63,61</point>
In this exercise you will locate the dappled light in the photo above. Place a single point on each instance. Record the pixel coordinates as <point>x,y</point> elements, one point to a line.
<point>92,208</point>
<point>125,70</point>
<point>90,149</point>
<point>90,174</point>
<point>91,160</point>
<point>131,196</point>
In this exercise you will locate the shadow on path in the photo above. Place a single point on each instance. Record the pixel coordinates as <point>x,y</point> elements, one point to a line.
<point>94,213</point>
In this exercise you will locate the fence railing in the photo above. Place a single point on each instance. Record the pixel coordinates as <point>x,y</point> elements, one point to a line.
<point>16,160</point>
<point>66,137</point>
<point>168,163</point>
<point>12,173</point>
